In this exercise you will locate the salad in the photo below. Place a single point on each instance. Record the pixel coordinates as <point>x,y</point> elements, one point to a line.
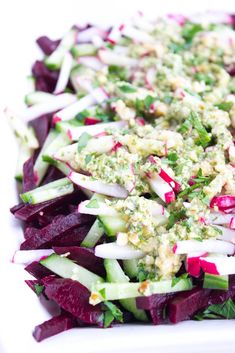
<point>126,173</point>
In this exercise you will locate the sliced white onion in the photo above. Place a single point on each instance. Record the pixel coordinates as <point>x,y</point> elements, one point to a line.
<point>115,251</point>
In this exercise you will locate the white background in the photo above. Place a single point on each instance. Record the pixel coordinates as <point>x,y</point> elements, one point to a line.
<point>21,22</point>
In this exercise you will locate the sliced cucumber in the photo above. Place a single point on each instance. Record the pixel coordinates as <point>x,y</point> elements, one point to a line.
<point>216,282</point>
<point>40,167</point>
<point>117,291</point>
<point>59,141</point>
<point>113,224</point>
<point>37,97</point>
<point>94,234</point>
<point>116,274</point>
<point>24,154</point>
<point>84,49</point>
<point>23,133</point>
<point>83,72</point>
<point>48,192</point>
<point>131,267</point>
<point>54,61</point>
<point>68,269</point>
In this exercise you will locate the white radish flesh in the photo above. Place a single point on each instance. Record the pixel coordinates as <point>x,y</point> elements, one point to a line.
<point>218,265</point>
<point>220,218</point>
<point>115,251</point>
<point>227,234</point>
<point>27,256</point>
<point>162,189</point>
<point>98,186</point>
<point>110,58</point>
<point>215,246</point>
<point>51,105</point>
<point>64,73</point>
<point>91,62</point>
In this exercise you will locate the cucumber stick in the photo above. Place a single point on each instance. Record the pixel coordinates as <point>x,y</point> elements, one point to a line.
<point>83,49</point>
<point>37,97</point>
<point>116,274</point>
<point>48,192</point>
<point>113,224</point>
<point>24,154</point>
<point>216,282</point>
<point>68,269</point>
<point>94,234</point>
<point>131,267</point>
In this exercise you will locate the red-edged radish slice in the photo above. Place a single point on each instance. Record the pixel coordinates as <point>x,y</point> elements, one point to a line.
<point>232,223</point>
<point>150,78</point>
<point>193,263</point>
<point>96,96</point>
<point>75,132</point>
<point>97,208</point>
<point>27,256</point>
<point>115,34</point>
<point>108,57</point>
<point>166,177</point>
<point>218,265</point>
<point>220,218</point>
<point>214,246</point>
<point>227,234</point>
<point>65,69</point>
<point>53,104</point>
<point>161,188</point>
<point>88,34</point>
<point>223,202</point>
<point>115,251</point>
<point>91,62</point>
<point>89,120</point>
<point>98,186</point>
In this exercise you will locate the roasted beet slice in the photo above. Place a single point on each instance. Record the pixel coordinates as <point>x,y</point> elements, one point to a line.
<point>52,175</point>
<point>45,236</point>
<point>41,127</point>
<point>184,305</point>
<point>44,76</point>
<point>153,301</point>
<point>73,237</point>
<point>73,297</point>
<point>28,175</point>
<point>37,270</point>
<point>16,208</point>
<point>55,325</point>
<point>84,257</point>
<point>29,212</point>
<point>220,296</point>
<point>47,45</point>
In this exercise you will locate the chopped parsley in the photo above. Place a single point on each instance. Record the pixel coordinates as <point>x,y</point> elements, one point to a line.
<point>112,312</point>
<point>127,88</point>
<point>226,106</point>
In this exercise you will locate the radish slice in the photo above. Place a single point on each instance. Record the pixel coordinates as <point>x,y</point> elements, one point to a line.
<point>53,104</point>
<point>100,145</point>
<point>96,208</point>
<point>115,34</point>
<point>75,132</point>
<point>220,218</point>
<point>91,62</point>
<point>232,223</point>
<point>108,57</point>
<point>115,251</point>
<point>91,121</point>
<point>137,35</point>
<point>227,234</point>
<point>193,263</point>
<point>162,189</point>
<point>98,186</point>
<point>64,73</point>
<point>218,265</point>
<point>88,34</point>
<point>150,78</point>
<point>28,256</point>
<point>223,202</point>
<point>215,246</point>
<point>96,96</point>
<point>168,179</point>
